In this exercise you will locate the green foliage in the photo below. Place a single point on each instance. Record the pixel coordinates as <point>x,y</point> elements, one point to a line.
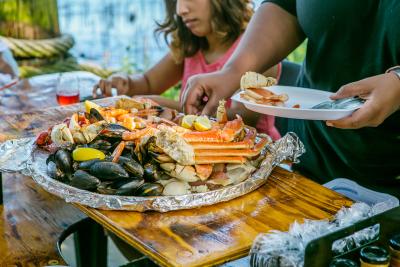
<point>173,92</point>
<point>299,53</point>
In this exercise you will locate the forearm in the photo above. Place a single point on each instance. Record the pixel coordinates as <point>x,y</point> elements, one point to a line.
<point>159,78</point>
<point>271,35</point>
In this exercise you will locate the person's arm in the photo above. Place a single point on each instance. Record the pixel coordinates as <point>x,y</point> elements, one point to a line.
<point>159,78</point>
<point>8,65</point>
<point>271,35</point>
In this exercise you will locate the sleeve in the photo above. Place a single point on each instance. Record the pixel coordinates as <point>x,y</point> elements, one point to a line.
<point>3,46</point>
<point>288,5</point>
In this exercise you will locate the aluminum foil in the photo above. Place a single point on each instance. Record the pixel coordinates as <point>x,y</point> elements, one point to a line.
<point>32,162</point>
<point>287,249</point>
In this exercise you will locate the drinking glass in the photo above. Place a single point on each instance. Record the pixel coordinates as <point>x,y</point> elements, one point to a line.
<point>67,89</point>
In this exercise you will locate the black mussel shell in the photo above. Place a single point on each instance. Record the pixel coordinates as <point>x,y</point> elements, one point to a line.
<point>84,180</point>
<point>149,189</point>
<point>106,189</point>
<point>85,165</point>
<point>131,166</point>
<point>54,172</point>
<point>108,171</point>
<point>63,160</point>
<point>152,172</point>
<point>95,116</point>
<point>101,144</point>
<point>51,158</point>
<point>130,146</point>
<point>129,189</point>
<point>113,130</point>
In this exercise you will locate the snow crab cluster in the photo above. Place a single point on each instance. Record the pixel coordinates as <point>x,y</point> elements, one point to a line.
<point>139,148</point>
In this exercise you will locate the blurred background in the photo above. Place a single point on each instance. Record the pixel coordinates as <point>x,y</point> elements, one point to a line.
<point>100,36</point>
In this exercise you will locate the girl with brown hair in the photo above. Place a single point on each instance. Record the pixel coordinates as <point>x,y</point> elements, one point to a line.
<point>202,35</point>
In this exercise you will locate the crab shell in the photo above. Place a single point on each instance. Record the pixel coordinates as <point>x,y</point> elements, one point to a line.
<point>61,135</point>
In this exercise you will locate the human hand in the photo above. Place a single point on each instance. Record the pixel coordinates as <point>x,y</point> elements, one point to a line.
<point>382,94</point>
<point>204,91</point>
<point>118,81</point>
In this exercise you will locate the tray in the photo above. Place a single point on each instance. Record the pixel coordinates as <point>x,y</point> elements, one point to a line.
<point>21,155</point>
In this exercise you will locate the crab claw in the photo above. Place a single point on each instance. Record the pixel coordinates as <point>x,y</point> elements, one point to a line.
<point>74,123</point>
<point>61,135</point>
<point>87,134</point>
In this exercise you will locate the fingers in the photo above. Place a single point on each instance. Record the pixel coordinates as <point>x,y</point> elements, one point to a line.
<point>211,105</point>
<point>192,97</point>
<point>352,89</point>
<point>118,81</point>
<point>367,115</point>
<point>192,101</point>
<point>104,86</point>
<point>95,93</point>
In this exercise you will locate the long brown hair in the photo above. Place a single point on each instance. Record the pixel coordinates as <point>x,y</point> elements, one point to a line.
<point>229,19</point>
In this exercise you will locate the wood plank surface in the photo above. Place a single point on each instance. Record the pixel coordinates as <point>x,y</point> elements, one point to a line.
<point>215,234</point>
<point>28,124</point>
<point>31,222</point>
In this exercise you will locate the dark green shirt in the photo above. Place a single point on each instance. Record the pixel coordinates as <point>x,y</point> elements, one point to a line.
<point>348,41</point>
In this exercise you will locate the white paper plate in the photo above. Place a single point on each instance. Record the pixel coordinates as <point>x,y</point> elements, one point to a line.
<point>304,97</point>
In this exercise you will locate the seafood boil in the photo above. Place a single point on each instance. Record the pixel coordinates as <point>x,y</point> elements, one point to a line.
<point>138,148</point>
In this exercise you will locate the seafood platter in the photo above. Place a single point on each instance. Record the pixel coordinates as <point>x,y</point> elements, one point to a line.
<point>137,155</point>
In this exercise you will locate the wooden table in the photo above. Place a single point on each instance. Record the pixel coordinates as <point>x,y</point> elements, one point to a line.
<point>209,235</point>
<point>212,235</point>
<point>31,219</point>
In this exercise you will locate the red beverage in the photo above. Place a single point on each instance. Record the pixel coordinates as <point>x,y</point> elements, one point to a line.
<point>67,99</point>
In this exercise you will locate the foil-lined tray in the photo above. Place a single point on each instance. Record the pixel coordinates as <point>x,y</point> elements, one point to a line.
<point>22,156</point>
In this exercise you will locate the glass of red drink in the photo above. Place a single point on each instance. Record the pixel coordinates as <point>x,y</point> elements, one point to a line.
<point>67,89</point>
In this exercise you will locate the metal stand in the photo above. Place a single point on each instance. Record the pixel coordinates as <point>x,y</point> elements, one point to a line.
<point>90,245</point>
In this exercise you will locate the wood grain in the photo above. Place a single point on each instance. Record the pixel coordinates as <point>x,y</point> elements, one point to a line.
<point>212,235</point>
<point>31,123</point>
<point>31,223</point>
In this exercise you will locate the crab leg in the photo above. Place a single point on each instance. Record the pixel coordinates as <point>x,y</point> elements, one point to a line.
<point>131,136</point>
<point>226,152</point>
<point>222,145</point>
<point>227,134</point>
<point>232,152</point>
<point>207,136</point>
<point>218,159</point>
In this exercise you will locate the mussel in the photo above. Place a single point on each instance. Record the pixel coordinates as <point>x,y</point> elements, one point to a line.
<point>108,171</point>
<point>149,189</point>
<point>152,172</point>
<point>106,188</point>
<point>84,180</point>
<point>101,144</point>
<point>113,130</point>
<point>85,165</point>
<point>124,188</point>
<point>63,160</point>
<point>131,166</point>
<point>94,116</point>
<point>54,172</point>
<point>129,189</point>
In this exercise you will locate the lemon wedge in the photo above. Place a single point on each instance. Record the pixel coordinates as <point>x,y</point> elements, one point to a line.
<point>87,153</point>
<point>187,121</point>
<point>202,124</point>
<point>89,105</point>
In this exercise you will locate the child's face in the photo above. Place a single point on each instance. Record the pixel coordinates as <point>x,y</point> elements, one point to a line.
<point>196,14</point>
